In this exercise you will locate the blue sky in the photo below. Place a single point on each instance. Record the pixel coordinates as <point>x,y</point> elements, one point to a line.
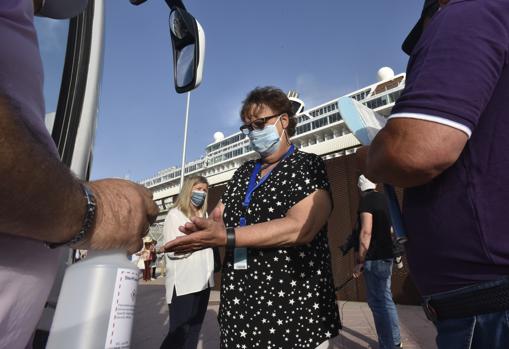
<point>323,49</point>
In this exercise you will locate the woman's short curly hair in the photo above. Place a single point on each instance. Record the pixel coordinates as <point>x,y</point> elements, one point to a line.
<point>272,97</point>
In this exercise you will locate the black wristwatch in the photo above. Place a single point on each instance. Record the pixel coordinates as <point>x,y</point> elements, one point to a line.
<point>230,238</point>
<point>88,221</point>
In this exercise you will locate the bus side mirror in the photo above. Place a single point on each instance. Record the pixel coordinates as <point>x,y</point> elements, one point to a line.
<point>188,43</point>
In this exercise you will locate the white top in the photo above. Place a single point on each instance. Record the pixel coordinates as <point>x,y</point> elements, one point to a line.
<point>188,273</point>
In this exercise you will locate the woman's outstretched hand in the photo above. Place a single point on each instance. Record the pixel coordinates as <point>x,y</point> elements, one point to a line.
<point>200,233</point>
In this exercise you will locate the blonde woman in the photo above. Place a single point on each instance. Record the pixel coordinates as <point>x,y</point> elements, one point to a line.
<point>190,276</point>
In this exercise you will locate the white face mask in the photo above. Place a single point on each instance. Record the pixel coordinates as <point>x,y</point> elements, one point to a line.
<point>61,9</point>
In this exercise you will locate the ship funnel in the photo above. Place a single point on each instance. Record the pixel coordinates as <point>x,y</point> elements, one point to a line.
<point>297,104</point>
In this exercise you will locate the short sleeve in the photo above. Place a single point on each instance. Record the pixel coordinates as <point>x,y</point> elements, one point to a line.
<point>456,64</point>
<point>366,204</point>
<point>310,175</point>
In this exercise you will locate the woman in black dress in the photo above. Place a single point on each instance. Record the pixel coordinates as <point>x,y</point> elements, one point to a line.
<point>277,289</point>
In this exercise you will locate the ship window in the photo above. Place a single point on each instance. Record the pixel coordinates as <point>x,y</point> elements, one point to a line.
<point>319,123</point>
<point>334,117</point>
<point>393,97</point>
<point>303,128</point>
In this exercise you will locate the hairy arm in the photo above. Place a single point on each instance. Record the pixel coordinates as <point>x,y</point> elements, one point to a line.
<point>410,152</point>
<point>39,197</point>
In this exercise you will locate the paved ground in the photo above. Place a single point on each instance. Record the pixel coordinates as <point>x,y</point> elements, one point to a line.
<point>151,323</point>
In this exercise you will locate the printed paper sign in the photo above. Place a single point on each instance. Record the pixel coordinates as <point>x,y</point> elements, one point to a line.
<point>122,310</point>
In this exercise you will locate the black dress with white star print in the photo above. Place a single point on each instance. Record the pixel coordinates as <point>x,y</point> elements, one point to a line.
<point>285,299</point>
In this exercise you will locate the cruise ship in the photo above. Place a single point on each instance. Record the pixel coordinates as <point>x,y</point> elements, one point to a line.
<point>319,130</point>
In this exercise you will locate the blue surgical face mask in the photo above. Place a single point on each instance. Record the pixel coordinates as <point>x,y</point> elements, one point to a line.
<point>198,198</point>
<point>266,141</point>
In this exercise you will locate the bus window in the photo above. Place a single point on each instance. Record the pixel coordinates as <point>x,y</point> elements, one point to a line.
<point>52,36</point>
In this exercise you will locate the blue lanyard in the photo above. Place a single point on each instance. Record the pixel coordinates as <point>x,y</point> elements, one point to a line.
<point>253,185</point>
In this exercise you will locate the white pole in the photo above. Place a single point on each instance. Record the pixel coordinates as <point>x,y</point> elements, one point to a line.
<point>185,143</point>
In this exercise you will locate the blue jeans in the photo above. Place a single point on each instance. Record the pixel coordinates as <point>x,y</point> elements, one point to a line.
<point>473,332</point>
<point>377,275</point>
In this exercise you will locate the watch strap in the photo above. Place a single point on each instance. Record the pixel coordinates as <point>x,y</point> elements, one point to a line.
<point>230,238</point>
<point>88,220</point>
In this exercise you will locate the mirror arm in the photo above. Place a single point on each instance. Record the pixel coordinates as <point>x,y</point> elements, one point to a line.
<point>173,4</point>
<point>137,2</point>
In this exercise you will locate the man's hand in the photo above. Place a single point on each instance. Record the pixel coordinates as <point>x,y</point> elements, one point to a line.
<point>357,270</point>
<point>201,233</point>
<point>124,213</point>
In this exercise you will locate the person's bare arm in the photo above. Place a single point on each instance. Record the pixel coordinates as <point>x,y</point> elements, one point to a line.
<point>365,235</point>
<point>409,152</point>
<point>41,199</point>
<point>302,222</point>
<point>366,219</point>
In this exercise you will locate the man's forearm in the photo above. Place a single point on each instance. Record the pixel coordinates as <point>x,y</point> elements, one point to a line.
<point>364,241</point>
<point>39,197</point>
<point>408,152</point>
<point>385,164</point>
